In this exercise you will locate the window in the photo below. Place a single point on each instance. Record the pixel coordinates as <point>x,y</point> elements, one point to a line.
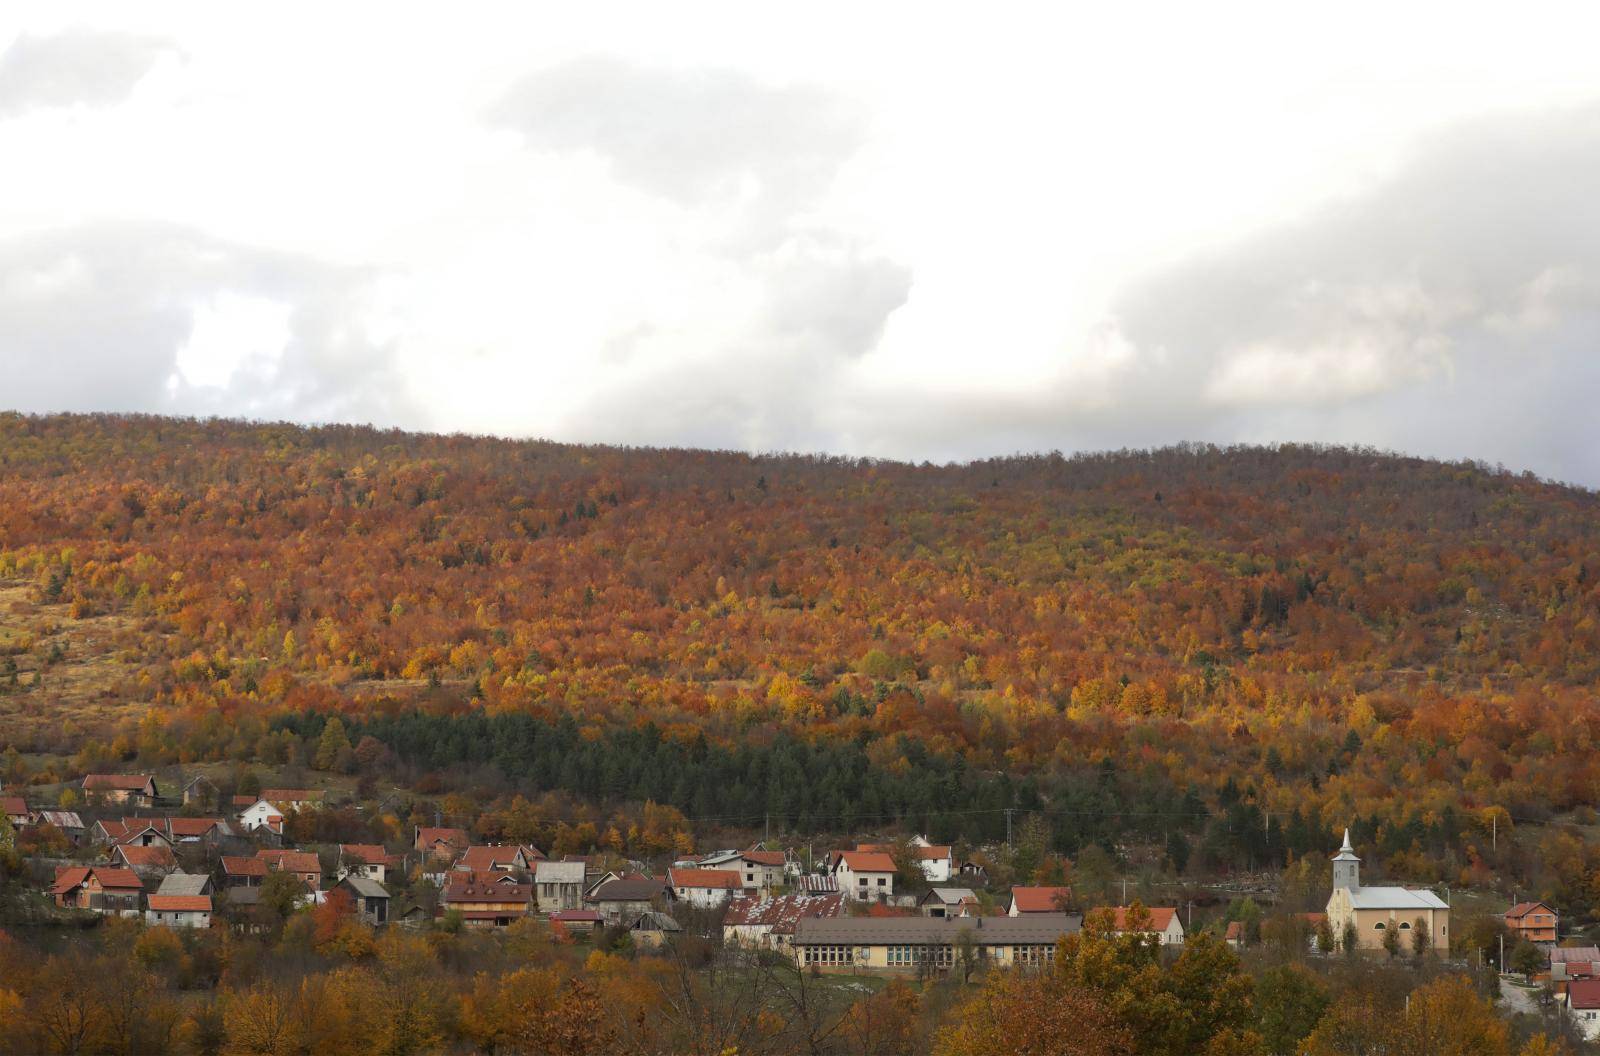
<point>1405,925</point>
<point>882,882</point>
<point>1379,926</point>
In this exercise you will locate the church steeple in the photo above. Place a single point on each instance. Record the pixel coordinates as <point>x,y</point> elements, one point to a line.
<point>1346,866</point>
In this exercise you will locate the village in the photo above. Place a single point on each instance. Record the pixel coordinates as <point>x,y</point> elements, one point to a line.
<point>170,857</point>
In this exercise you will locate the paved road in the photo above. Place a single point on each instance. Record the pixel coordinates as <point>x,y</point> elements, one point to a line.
<point>1517,999</point>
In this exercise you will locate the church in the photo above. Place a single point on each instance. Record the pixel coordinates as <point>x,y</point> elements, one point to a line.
<point>1375,910</point>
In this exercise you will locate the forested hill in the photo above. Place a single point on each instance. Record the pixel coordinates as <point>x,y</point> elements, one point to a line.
<point>1324,625</point>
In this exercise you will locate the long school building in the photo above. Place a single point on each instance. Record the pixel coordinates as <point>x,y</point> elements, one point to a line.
<point>914,945</point>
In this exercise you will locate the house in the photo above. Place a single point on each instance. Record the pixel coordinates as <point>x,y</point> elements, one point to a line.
<point>367,860</point>
<point>758,922</point>
<point>937,861</point>
<point>577,920</point>
<point>293,798</point>
<point>653,929</point>
<point>303,864</point>
<point>131,832</point>
<point>1583,1006</point>
<point>487,900</point>
<point>494,858</point>
<point>1374,911</point>
<point>1533,921</point>
<point>243,872</point>
<point>865,876</point>
<point>65,821</point>
<point>183,901</point>
<point>704,887</point>
<point>914,945</point>
<point>761,870</point>
<point>559,885</point>
<point>625,897</point>
<point>15,808</point>
<point>200,792</point>
<point>1163,924</point>
<point>441,844</point>
<point>103,889</point>
<point>948,902</point>
<point>1574,962</point>
<point>1234,935</point>
<point>151,861</point>
<point>262,815</point>
<point>136,790</point>
<point>1039,900</point>
<point>369,897</point>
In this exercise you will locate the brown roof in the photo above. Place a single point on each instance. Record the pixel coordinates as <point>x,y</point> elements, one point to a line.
<point>13,805</point>
<point>627,889</point>
<point>1160,917</point>
<point>781,913</point>
<point>291,795</point>
<point>723,879</point>
<point>764,857</point>
<point>291,861</point>
<point>110,877</point>
<point>1584,993</point>
<point>243,866</point>
<point>476,887</point>
<point>1522,909</point>
<point>127,782</point>
<point>427,837</point>
<point>490,856</point>
<point>937,852</point>
<point>1235,930</point>
<point>154,855</point>
<point>866,861</point>
<point>181,903</point>
<point>1040,899</point>
<point>192,826</point>
<point>371,853</point>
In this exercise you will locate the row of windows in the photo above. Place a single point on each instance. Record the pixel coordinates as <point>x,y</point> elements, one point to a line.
<point>829,955</point>
<point>1034,954</point>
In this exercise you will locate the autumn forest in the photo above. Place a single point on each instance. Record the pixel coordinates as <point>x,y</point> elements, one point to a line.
<point>1193,666</point>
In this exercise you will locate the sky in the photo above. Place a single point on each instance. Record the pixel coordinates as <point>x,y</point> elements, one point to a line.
<point>916,232</point>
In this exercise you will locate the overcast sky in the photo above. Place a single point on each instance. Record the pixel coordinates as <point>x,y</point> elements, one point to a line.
<point>890,230</point>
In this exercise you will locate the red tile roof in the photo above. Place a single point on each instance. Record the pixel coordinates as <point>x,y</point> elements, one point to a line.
<point>192,826</point>
<point>180,903</point>
<point>476,887</point>
<point>13,805</point>
<point>721,879</point>
<point>117,782</point>
<point>370,853</point>
<point>1040,899</point>
<point>243,866</point>
<point>938,852</point>
<point>1160,917</point>
<point>1522,909</point>
<point>110,877</point>
<point>491,856</point>
<point>1584,993</point>
<point>291,861</point>
<point>457,838</point>
<point>155,856</point>
<point>866,861</point>
<point>576,915</point>
<point>764,857</point>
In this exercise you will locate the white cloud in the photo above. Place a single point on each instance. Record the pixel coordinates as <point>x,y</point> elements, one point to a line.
<point>923,238</point>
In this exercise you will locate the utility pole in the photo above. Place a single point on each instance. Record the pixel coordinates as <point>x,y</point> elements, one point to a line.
<point>1124,890</point>
<point>1008,825</point>
<point>1494,832</point>
<point>1502,953</point>
<point>768,837</point>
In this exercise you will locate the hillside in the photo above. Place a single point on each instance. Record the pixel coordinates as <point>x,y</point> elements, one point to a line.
<point>1207,634</point>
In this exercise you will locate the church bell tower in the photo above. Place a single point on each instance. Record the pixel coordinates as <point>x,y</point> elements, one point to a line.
<point>1346,866</point>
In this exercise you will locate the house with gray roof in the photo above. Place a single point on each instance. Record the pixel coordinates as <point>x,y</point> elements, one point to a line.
<point>928,945</point>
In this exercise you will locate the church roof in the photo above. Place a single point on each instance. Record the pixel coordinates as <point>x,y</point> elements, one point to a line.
<point>1347,853</point>
<point>1394,898</point>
